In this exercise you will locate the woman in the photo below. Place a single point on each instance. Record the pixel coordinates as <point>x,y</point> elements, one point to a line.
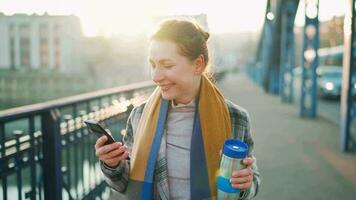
<point>175,138</point>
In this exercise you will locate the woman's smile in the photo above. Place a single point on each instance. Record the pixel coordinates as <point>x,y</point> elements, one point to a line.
<point>166,87</point>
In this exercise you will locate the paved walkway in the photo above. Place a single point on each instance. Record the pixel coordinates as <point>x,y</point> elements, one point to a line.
<point>298,158</point>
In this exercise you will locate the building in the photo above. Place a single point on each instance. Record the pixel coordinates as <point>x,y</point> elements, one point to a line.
<point>40,42</point>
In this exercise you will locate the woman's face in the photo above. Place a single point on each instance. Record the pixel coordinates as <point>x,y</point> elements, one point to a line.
<point>175,74</point>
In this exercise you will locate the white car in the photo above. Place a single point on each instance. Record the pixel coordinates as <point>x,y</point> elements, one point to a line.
<point>329,80</point>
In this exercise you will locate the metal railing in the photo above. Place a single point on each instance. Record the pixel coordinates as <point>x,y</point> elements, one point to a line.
<point>47,153</point>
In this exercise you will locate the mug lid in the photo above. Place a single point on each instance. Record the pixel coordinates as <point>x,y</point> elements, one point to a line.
<point>235,148</point>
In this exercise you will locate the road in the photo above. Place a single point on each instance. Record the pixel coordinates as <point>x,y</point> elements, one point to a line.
<point>327,108</point>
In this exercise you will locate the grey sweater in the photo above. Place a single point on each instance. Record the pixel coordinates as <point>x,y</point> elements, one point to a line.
<point>118,178</point>
<point>178,136</point>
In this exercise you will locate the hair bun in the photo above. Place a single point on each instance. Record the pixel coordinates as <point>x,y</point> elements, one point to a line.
<point>206,35</point>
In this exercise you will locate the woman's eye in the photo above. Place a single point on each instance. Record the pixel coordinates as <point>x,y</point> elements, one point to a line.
<point>168,66</point>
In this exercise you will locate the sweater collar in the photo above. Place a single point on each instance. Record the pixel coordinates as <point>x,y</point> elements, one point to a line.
<point>190,104</point>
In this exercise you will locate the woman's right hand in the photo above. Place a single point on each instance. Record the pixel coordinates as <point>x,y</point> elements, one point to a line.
<point>110,154</point>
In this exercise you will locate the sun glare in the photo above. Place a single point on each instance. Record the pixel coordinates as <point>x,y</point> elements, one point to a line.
<point>109,17</point>
<point>112,17</point>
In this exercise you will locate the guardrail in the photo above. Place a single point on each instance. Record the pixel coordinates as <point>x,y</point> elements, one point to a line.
<point>47,153</point>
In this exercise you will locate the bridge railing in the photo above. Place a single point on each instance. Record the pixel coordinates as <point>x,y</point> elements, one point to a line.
<point>46,152</point>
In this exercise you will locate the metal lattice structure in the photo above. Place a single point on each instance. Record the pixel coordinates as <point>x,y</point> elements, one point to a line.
<point>276,48</point>
<point>275,52</point>
<point>289,10</point>
<point>309,60</point>
<point>51,155</point>
<point>348,110</point>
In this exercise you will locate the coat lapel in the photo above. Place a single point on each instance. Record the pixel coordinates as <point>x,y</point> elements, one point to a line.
<point>161,172</point>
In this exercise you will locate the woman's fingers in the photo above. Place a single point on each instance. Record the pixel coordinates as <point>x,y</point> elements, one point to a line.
<point>111,154</point>
<point>124,155</point>
<point>242,172</point>
<point>100,142</point>
<point>116,160</point>
<point>242,186</point>
<point>248,161</point>
<point>114,153</point>
<point>241,180</point>
<point>107,148</point>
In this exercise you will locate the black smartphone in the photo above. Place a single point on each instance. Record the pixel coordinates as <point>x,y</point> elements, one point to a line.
<point>99,131</point>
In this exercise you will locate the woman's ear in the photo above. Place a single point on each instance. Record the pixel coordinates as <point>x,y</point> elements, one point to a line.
<point>199,65</point>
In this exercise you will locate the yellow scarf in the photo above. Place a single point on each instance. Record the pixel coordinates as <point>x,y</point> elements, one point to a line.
<point>215,127</point>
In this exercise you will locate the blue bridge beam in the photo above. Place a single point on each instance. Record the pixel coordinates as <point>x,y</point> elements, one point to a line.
<point>289,11</point>
<point>348,111</point>
<point>310,60</point>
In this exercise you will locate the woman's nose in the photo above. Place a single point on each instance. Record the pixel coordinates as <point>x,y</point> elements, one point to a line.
<point>157,75</point>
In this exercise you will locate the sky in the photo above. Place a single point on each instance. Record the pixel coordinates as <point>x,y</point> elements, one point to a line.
<point>110,17</point>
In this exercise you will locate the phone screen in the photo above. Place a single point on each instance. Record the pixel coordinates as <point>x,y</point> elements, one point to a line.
<point>98,130</point>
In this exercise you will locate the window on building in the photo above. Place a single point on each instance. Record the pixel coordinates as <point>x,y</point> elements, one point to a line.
<point>24,31</point>
<point>43,30</point>
<point>58,59</point>
<point>25,52</point>
<point>56,29</point>
<point>44,52</point>
<point>12,45</point>
<point>57,50</point>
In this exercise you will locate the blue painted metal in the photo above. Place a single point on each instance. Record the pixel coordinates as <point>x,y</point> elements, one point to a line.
<point>83,148</point>
<point>274,77</point>
<point>67,163</point>
<point>348,111</point>
<point>18,162</point>
<point>309,61</point>
<point>3,163</point>
<point>278,21</point>
<point>31,125</point>
<point>289,10</point>
<point>44,146</point>
<point>76,154</point>
<point>267,46</point>
<point>52,155</point>
<point>274,58</point>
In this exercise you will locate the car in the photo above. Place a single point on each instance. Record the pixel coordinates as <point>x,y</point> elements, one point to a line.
<point>329,81</point>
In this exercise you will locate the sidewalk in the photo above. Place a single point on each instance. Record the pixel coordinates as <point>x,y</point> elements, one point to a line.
<point>298,158</point>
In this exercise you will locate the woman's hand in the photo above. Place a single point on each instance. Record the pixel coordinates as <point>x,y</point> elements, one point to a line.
<point>110,154</point>
<point>242,179</point>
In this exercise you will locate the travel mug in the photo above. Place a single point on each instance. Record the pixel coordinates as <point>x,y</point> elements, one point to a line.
<point>234,151</point>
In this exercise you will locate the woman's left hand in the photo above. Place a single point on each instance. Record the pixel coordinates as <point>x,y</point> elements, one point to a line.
<point>242,179</point>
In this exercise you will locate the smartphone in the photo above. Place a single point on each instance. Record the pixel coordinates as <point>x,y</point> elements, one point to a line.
<point>99,131</point>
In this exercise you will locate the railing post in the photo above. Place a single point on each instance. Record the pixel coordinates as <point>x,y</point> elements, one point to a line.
<point>52,155</point>
<point>3,164</point>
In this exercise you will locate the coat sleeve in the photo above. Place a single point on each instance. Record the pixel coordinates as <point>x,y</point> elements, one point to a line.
<point>253,190</point>
<point>118,177</point>
<point>241,124</point>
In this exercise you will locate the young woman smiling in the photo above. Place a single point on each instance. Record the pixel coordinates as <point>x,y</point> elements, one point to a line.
<point>174,138</point>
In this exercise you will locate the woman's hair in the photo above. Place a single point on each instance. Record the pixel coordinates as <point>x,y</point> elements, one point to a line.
<point>190,37</point>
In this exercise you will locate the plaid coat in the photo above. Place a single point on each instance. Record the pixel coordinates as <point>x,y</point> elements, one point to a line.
<point>118,177</point>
